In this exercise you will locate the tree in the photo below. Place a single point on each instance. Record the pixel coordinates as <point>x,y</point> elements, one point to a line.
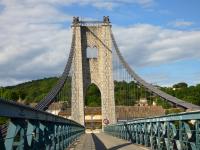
<point>93,96</point>
<point>10,95</point>
<point>126,93</point>
<point>180,85</point>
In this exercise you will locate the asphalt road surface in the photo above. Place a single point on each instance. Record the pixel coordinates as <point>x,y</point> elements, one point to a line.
<point>102,141</point>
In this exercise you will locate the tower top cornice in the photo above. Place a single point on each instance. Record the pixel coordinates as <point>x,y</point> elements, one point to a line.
<point>77,22</point>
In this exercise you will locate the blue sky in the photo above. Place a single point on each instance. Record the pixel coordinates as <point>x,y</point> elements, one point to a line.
<point>159,39</point>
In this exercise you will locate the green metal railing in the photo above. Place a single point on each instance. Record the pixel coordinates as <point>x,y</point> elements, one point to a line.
<point>29,128</point>
<point>171,132</point>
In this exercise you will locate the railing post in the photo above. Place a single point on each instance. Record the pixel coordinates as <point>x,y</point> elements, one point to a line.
<point>142,133</point>
<point>43,137</point>
<point>21,142</point>
<point>67,135</point>
<point>158,138</point>
<point>53,139</point>
<point>37,135</point>
<point>171,133</point>
<point>153,135</point>
<point>121,131</point>
<point>62,136</point>
<point>179,143</point>
<point>197,131</point>
<point>162,135</point>
<point>11,133</point>
<point>146,137</point>
<point>132,132</point>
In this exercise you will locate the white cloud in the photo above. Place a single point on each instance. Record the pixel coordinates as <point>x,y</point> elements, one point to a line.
<point>144,3</point>
<point>102,4</point>
<point>110,4</point>
<point>144,44</point>
<point>34,43</point>
<point>181,23</point>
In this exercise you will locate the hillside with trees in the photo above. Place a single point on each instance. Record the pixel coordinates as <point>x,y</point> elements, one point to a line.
<point>34,91</point>
<point>183,91</point>
<point>30,92</point>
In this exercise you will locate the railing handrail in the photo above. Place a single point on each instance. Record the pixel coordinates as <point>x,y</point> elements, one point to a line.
<point>171,117</point>
<point>12,109</point>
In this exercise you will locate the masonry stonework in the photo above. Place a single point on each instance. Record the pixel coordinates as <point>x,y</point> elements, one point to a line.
<point>93,70</point>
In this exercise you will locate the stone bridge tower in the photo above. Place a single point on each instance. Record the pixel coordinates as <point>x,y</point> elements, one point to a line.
<point>97,70</point>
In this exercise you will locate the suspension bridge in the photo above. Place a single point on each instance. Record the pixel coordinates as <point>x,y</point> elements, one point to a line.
<point>95,58</point>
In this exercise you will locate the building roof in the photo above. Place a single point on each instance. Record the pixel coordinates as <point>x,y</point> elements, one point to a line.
<point>124,112</point>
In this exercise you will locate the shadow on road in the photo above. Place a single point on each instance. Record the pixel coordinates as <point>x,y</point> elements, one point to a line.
<point>119,146</point>
<point>100,146</point>
<point>98,143</point>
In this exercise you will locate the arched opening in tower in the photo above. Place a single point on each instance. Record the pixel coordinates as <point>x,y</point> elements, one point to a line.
<point>93,118</point>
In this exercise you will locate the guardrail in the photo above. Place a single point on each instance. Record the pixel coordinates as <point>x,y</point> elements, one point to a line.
<point>176,131</point>
<point>29,128</point>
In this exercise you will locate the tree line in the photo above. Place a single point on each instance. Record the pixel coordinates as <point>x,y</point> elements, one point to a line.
<point>126,93</point>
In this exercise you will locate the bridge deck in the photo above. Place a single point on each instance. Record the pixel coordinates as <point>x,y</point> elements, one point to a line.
<point>102,141</point>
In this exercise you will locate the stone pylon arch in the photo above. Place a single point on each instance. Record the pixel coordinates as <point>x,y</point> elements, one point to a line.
<point>92,70</point>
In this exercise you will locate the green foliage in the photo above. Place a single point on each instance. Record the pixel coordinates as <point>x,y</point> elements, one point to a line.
<point>173,111</point>
<point>32,91</point>
<point>180,85</point>
<point>189,94</point>
<point>162,103</point>
<point>10,94</point>
<point>3,120</point>
<point>93,96</point>
<point>126,93</point>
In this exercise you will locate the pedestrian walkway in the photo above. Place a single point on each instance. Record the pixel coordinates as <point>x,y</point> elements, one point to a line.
<point>102,141</point>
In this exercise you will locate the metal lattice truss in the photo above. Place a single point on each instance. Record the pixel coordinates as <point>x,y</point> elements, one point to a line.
<point>176,131</point>
<point>30,128</point>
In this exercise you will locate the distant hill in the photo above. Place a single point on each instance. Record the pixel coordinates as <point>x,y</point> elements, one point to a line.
<point>34,91</point>
<point>182,91</point>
